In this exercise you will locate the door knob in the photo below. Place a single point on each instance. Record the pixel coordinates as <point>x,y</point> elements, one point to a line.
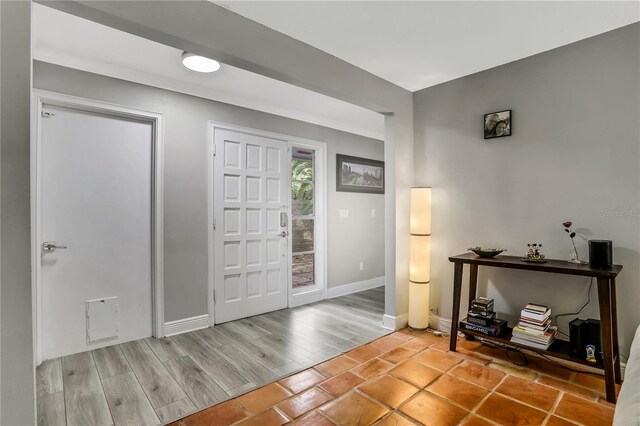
<point>51,246</point>
<point>284,234</point>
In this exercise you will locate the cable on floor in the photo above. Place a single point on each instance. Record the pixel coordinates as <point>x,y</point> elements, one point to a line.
<point>432,331</point>
<point>555,318</point>
<point>508,351</point>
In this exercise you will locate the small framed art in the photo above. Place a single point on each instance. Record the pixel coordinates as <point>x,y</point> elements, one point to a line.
<point>355,174</point>
<point>498,124</point>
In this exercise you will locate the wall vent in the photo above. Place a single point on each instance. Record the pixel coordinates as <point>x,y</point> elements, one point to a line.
<point>102,319</point>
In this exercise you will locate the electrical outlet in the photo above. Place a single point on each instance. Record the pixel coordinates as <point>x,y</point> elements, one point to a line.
<point>436,311</point>
<point>362,266</point>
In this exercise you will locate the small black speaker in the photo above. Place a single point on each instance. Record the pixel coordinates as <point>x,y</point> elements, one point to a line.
<point>600,253</point>
<point>577,336</point>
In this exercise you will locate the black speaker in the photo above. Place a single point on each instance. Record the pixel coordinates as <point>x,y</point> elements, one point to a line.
<point>577,336</point>
<point>600,253</point>
<point>593,336</point>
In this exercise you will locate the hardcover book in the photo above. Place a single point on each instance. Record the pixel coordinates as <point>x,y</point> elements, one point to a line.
<point>535,315</point>
<point>535,308</point>
<point>482,304</point>
<point>479,318</point>
<point>493,330</point>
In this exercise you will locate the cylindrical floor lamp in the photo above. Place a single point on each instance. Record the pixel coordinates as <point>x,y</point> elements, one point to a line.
<point>420,258</point>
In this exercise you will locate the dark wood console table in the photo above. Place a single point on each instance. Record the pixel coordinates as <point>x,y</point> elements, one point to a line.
<point>606,279</point>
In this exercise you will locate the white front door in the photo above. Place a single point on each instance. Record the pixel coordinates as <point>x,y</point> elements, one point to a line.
<point>95,238</point>
<point>251,206</point>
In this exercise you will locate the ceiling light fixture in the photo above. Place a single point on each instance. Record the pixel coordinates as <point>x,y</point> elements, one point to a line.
<point>199,63</point>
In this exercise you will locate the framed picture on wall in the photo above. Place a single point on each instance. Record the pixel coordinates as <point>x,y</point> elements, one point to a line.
<point>355,174</point>
<point>497,124</point>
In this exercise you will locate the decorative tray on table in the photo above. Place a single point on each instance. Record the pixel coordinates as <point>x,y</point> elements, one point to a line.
<point>486,252</point>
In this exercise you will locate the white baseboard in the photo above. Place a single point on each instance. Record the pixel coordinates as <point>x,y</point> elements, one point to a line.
<point>345,289</point>
<point>305,298</point>
<point>440,323</point>
<point>395,323</point>
<point>185,325</point>
<point>401,321</point>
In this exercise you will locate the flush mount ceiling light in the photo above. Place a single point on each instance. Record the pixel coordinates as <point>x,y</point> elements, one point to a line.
<point>199,63</point>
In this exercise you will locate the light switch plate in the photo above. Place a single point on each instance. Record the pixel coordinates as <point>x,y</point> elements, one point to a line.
<point>344,213</point>
<point>373,212</point>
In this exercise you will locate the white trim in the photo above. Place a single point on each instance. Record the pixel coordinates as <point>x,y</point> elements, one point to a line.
<point>395,323</point>
<point>306,298</point>
<point>439,323</point>
<point>210,231</point>
<point>41,97</point>
<point>185,325</point>
<point>321,228</point>
<point>345,289</point>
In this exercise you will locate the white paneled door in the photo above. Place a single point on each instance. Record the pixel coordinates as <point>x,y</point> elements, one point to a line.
<point>251,205</point>
<point>95,207</point>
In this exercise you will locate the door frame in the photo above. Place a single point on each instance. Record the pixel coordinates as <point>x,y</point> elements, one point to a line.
<point>41,97</point>
<point>321,206</point>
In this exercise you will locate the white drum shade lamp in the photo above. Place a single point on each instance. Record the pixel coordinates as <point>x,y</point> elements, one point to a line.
<point>420,258</point>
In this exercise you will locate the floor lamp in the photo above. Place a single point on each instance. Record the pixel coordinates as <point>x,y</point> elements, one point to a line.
<point>420,258</point>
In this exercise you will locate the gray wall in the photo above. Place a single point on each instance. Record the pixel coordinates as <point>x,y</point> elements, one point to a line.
<point>185,184</point>
<point>574,154</point>
<point>359,237</point>
<point>17,384</point>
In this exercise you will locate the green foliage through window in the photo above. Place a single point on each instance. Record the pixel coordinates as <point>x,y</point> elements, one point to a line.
<point>302,187</point>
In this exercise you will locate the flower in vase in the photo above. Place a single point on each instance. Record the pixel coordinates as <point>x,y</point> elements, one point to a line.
<point>574,252</point>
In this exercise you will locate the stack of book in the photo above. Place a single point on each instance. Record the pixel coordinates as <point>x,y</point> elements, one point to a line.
<point>534,328</point>
<point>482,319</point>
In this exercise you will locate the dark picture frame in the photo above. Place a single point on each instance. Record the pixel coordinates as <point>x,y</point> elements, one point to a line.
<point>498,124</point>
<point>356,174</point>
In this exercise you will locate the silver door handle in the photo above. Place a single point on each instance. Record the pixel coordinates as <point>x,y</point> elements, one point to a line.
<point>283,234</point>
<point>51,246</point>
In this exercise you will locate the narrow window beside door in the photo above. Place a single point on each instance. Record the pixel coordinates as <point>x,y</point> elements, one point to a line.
<point>303,223</point>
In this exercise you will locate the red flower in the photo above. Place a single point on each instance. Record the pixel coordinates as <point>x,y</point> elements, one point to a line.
<point>567,224</point>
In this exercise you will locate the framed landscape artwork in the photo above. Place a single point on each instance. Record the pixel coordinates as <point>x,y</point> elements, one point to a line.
<point>355,174</point>
<point>497,124</point>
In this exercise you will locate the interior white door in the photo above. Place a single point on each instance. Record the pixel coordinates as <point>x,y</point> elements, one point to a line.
<point>95,192</point>
<point>250,193</point>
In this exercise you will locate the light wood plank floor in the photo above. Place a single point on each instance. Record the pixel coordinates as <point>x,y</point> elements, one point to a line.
<point>155,381</point>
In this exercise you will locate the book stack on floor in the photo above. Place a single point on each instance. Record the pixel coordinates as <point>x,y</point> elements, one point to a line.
<point>482,318</point>
<point>534,328</point>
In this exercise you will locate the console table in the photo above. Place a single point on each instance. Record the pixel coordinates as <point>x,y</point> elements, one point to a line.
<point>606,279</point>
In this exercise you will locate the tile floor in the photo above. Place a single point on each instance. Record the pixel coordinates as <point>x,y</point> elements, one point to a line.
<point>409,378</point>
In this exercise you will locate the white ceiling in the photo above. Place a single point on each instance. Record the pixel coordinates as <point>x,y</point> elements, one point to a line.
<point>417,44</point>
<point>70,41</point>
<point>413,44</point>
